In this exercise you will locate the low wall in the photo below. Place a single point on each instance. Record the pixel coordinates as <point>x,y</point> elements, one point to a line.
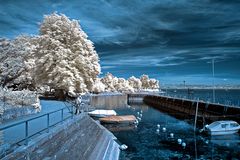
<point>137,97</point>
<point>110,101</point>
<point>77,138</point>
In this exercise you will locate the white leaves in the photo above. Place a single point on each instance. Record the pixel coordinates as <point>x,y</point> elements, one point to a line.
<point>15,60</point>
<point>73,62</point>
<point>18,99</point>
<point>114,84</point>
<point>149,83</point>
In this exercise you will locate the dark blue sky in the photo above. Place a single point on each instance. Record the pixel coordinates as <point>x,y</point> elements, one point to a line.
<point>169,40</point>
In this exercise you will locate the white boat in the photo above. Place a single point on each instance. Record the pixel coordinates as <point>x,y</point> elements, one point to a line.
<point>102,113</point>
<point>222,128</point>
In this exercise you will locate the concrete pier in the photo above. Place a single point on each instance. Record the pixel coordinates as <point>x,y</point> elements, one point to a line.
<point>77,138</point>
<point>137,97</point>
<point>186,107</point>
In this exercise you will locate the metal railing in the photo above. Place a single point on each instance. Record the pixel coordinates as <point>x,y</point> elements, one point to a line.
<point>26,123</point>
<point>231,103</point>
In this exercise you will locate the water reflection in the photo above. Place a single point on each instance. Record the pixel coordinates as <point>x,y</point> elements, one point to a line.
<point>231,141</point>
<point>120,128</point>
<point>145,142</point>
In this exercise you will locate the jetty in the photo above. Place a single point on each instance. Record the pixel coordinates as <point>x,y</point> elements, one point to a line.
<point>186,108</point>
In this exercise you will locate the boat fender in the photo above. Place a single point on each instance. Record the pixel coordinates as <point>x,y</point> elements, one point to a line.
<point>123,147</point>
<point>136,122</point>
<point>164,129</point>
<point>184,145</point>
<point>179,141</point>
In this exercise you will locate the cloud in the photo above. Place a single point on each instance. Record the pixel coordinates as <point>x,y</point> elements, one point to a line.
<point>136,36</point>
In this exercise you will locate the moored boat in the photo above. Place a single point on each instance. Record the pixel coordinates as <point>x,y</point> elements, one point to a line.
<point>222,128</point>
<point>129,119</point>
<point>102,113</point>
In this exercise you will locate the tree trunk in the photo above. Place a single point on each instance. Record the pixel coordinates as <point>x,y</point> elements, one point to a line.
<point>60,94</point>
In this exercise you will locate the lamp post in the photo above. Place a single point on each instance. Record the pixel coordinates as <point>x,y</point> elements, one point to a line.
<point>213,81</point>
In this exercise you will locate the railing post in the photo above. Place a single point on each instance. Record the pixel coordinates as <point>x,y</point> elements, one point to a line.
<point>48,122</point>
<point>62,114</point>
<point>26,133</point>
<point>72,111</point>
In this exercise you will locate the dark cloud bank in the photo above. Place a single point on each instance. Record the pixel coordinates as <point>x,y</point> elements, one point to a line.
<point>169,40</point>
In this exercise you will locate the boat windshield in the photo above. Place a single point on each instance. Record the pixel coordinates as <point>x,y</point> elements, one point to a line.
<point>214,124</point>
<point>234,125</point>
<point>224,125</point>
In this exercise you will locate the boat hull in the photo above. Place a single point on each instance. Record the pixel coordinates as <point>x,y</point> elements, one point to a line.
<point>102,113</point>
<point>226,132</point>
<point>127,119</point>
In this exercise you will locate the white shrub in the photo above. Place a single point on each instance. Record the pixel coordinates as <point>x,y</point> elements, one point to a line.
<point>12,99</point>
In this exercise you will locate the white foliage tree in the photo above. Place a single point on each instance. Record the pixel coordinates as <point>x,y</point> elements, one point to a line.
<point>123,85</point>
<point>98,86</point>
<point>114,84</point>
<point>109,81</point>
<point>149,83</point>
<point>135,83</point>
<point>145,81</point>
<point>66,59</point>
<point>153,84</point>
<point>16,61</point>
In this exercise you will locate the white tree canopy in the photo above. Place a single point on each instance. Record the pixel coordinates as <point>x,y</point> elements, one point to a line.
<point>114,84</point>
<point>66,59</point>
<point>16,61</point>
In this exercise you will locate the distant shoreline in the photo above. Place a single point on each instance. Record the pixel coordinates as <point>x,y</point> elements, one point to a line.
<point>198,88</point>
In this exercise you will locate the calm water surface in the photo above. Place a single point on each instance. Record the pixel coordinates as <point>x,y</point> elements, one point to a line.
<point>222,96</point>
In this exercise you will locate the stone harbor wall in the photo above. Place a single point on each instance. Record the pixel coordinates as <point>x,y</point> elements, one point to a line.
<point>77,138</point>
<point>15,104</point>
<point>207,112</point>
<point>108,100</point>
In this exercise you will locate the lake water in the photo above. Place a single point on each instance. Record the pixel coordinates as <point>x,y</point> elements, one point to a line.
<point>222,96</point>
<point>144,142</point>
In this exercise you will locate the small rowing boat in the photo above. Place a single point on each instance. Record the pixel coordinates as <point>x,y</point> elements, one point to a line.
<point>129,119</point>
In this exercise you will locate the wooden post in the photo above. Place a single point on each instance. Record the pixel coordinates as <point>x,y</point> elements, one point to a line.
<point>196,113</point>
